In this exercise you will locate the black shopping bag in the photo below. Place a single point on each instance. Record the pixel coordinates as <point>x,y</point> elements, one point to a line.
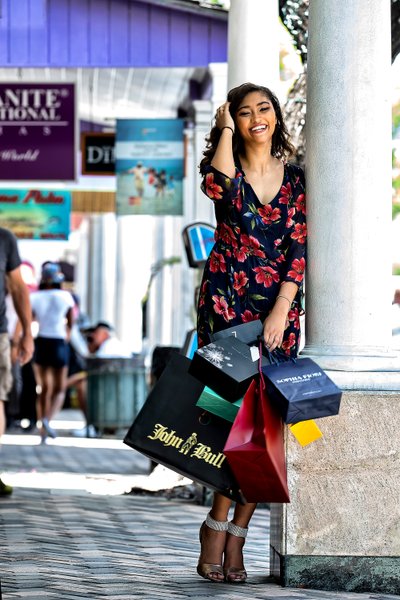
<point>249,332</point>
<point>173,431</point>
<point>301,390</point>
<point>227,366</point>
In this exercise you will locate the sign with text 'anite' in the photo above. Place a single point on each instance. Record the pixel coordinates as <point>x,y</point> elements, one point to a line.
<point>37,131</point>
<point>98,156</point>
<point>36,214</point>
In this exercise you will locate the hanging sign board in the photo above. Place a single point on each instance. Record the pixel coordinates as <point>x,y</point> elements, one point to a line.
<point>98,156</point>
<point>149,166</point>
<point>37,131</point>
<point>198,239</point>
<point>36,214</point>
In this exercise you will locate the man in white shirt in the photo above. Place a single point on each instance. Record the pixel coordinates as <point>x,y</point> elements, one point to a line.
<point>102,344</point>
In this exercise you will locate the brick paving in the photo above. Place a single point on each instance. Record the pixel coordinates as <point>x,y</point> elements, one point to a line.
<point>67,532</point>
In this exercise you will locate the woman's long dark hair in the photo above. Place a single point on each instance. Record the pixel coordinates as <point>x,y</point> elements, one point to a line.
<point>281,146</point>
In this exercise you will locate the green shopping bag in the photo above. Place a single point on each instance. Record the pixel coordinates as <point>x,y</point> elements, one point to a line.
<point>216,405</point>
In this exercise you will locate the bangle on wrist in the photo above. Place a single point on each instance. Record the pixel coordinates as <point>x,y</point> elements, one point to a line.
<point>227,127</point>
<point>288,299</point>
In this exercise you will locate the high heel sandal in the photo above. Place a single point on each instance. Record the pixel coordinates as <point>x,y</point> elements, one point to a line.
<point>235,574</point>
<point>207,570</point>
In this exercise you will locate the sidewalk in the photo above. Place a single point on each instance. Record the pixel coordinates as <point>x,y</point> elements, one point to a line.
<point>69,532</point>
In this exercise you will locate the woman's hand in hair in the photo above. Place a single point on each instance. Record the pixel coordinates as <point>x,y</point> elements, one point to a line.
<point>223,117</point>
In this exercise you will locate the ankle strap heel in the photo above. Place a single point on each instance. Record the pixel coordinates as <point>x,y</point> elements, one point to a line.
<point>216,525</point>
<point>236,530</point>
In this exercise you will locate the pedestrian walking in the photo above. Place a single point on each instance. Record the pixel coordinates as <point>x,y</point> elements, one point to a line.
<point>11,279</point>
<point>255,269</point>
<point>52,308</point>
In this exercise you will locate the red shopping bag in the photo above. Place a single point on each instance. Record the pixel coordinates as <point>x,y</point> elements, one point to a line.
<point>254,448</point>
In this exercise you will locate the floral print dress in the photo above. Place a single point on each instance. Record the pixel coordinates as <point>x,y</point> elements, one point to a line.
<point>257,247</point>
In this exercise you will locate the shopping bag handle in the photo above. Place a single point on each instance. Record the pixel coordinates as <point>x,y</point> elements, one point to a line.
<point>277,356</point>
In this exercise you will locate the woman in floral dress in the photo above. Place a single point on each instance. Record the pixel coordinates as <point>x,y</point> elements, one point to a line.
<point>255,269</point>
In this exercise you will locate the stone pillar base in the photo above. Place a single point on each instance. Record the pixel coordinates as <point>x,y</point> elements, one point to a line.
<point>340,573</point>
<point>341,529</point>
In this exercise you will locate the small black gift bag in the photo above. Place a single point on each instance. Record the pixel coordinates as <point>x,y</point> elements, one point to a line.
<point>171,430</point>
<point>227,366</point>
<point>249,332</point>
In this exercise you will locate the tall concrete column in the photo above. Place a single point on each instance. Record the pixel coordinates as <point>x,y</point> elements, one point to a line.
<point>134,259</point>
<point>101,256</point>
<point>349,187</point>
<point>203,209</point>
<point>340,530</point>
<point>253,43</point>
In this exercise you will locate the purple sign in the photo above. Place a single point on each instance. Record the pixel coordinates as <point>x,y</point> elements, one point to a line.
<point>37,131</point>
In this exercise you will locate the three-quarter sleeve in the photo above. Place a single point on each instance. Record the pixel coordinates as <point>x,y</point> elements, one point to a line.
<point>220,188</point>
<point>297,234</point>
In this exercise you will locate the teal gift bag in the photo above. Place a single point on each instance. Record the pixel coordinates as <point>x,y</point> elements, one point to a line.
<point>216,405</point>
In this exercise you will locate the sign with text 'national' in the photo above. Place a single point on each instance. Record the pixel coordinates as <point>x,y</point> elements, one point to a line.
<point>37,131</point>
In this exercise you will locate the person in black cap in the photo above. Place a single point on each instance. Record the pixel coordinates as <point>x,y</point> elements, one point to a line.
<point>102,343</point>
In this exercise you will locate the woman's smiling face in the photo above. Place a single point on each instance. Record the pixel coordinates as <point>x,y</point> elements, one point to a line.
<point>255,118</point>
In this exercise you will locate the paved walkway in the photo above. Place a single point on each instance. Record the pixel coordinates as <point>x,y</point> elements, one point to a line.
<point>69,532</point>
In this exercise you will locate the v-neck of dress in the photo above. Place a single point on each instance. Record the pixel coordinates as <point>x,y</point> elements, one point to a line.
<point>252,189</point>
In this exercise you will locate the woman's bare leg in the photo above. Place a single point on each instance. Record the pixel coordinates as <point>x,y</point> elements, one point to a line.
<point>59,377</point>
<point>44,396</point>
<point>233,556</point>
<point>212,541</point>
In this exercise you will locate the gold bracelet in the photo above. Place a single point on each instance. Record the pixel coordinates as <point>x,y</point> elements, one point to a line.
<point>280,296</point>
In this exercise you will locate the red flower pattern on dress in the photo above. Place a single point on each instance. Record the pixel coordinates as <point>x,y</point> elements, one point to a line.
<point>293,317</point>
<point>226,234</point>
<point>289,343</point>
<point>240,282</point>
<point>297,270</point>
<point>251,237</point>
<point>299,233</point>
<point>248,316</point>
<point>237,200</point>
<point>203,290</point>
<point>250,247</point>
<point>290,215</point>
<point>221,308</point>
<point>269,215</point>
<point>217,262</point>
<point>300,204</point>
<point>266,275</point>
<point>213,190</point>
<point>285,193</point>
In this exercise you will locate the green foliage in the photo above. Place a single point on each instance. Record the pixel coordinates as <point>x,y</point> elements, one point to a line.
<point>395,117</point>
<point>396,270</point>
<point>395,209</point>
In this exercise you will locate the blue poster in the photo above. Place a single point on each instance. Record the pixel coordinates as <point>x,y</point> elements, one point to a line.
<point>36,214</point>
<point>149,164</point>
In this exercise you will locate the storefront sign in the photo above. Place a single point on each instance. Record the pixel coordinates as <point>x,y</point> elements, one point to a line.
<point>98,157</point>
<point>37,131</point>
<point>36,214</point>
<point>149,165</point>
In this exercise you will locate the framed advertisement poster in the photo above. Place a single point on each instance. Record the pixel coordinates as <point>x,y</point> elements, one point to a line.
<point>149,166</point>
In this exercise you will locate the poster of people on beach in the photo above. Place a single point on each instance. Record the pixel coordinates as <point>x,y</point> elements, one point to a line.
<point>149,164</point>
